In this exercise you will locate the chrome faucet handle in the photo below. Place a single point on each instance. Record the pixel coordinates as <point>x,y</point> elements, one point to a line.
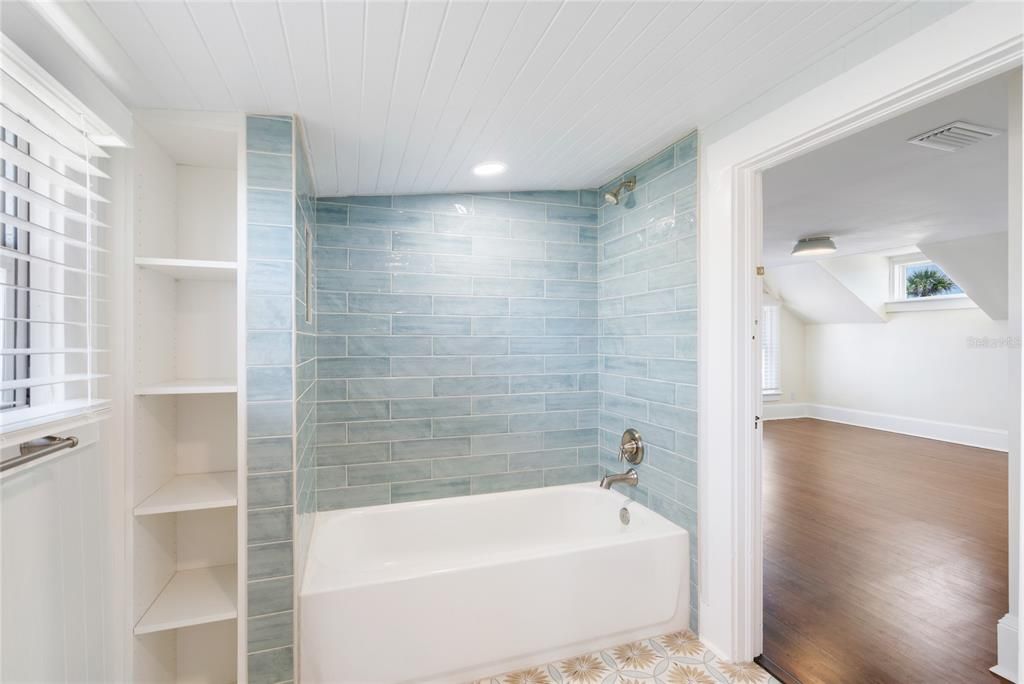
<point>631,447</point>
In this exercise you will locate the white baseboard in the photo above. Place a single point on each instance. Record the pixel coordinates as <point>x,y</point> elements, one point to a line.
<point>782,411</point>
<point>986,438</point>
<point>1006,647</point>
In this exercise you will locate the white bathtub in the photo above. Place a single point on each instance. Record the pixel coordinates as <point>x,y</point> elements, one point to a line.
<point>459,588</point>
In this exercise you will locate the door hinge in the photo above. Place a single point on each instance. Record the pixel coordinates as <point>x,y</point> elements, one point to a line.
<point>760,270</point>
<point>757,421</point>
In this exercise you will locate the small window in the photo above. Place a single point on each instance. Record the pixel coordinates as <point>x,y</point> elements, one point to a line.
<point>770,356</point>
<point>916,278</point>
<point>54,250</point>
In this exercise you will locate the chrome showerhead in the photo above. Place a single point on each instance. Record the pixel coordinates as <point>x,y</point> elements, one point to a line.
<point>612,196</point>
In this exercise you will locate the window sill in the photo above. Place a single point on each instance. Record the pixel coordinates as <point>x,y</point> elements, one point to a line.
<point>771,395</point>
<point>940,303</point>
<point>52,424</point>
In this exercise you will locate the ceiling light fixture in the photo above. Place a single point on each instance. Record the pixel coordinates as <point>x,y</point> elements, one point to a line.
<point>814,246</point>
<point>490,168</point>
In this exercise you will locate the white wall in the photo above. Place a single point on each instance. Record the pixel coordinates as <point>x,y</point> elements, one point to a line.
<point>792,361</point>
<point>918,365</point>
<point>62,611</point>
<point>938,374</point>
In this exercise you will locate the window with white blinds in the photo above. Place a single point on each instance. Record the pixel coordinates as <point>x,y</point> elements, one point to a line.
<point>770,360</point>
<point>53,263</point>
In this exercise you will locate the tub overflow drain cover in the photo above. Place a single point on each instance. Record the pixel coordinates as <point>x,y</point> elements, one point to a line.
<point>624,515</point>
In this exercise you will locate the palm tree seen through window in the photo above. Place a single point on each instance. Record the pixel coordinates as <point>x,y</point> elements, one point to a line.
<point>928,280</point>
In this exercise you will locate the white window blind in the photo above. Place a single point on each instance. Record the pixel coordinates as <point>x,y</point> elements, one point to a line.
<point>770,360</point>
<point>53,261</point>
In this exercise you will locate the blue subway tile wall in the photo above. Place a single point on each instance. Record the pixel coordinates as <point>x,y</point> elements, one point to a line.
<point>457,345</point>
<point>647,311</point>
<point>271,379</point>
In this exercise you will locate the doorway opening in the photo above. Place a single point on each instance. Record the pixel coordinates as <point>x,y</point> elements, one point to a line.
<point>885,378</point>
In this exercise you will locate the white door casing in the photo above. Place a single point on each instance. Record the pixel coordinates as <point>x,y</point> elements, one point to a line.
<point>974,43</point>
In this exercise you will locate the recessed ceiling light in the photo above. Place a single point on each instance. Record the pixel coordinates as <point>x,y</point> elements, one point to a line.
<point>814,246</point>
<point>489,168</point>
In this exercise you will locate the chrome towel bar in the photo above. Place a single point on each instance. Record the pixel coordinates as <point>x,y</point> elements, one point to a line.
<point>37,448</point>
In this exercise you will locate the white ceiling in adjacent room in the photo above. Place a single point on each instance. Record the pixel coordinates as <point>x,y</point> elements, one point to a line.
<point>873,191</point>
<point>401,97</point>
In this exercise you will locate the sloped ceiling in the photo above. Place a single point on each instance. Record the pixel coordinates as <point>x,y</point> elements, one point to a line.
<point>405,97</point>
<point>816,295</point>
<point>855,289</point>
<point>979,265</point>
<point>864,275</point>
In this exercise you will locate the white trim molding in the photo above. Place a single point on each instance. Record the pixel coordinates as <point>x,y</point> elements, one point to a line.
<point>968,435</point>
<point>785,411</point>
<point>937,303</point>
<point>1006,647</point>
<point>1012,650</point>
<point>972,44</point>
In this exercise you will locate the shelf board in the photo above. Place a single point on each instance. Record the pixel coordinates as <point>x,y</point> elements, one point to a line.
<point>193,597</point>
<point>190,386</point>
<point>194,492</point>
<point>190,269</point>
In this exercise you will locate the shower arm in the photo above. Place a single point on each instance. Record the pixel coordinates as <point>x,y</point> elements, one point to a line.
<point>628,185</point>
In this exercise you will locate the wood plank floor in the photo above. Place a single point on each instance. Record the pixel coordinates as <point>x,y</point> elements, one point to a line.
<point>885,555</point>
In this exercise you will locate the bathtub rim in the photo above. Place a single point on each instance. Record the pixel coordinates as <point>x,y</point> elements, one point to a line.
<point>664,529</point>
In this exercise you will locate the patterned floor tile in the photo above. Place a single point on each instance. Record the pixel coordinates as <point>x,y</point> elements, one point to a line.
<point>678,658</point>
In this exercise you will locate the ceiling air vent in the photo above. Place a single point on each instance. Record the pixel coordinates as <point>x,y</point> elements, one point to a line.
<point>954,136</point>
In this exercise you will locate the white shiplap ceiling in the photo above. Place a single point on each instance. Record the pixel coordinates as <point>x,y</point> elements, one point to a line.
<point>403,97</point>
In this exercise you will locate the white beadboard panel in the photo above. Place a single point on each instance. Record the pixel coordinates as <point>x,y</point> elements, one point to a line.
<point>59,603</point>
<point>306,39</point>
<point>117,68</point>
<point>650,92</point>
<point>593,48</point>
<point>457,34</point>
<point>346,27</point>
<point>386,25</point>
<point>189,52</point>
<point>132,31</point>
<point>629,79</point>
<point>797,40</point>
<point>420,46</point>
<point>405,97</point>
<point>869,38</point>
<point>263,29</point>
<point>222,35</point>
<point>500,22</point>
<point>523,63</point>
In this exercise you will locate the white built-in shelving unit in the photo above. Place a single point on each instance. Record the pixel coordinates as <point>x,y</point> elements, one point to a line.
<point>193,597</point>
<point>193,492</point>
<point>190,386</point>
<point>191,269</point>
<point>187,456</point>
